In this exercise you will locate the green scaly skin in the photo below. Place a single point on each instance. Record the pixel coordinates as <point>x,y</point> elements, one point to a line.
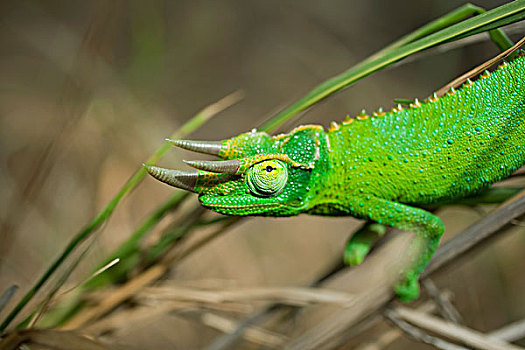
<point>381,167</point>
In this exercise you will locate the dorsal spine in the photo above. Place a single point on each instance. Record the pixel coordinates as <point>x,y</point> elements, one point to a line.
<point>348,121</point>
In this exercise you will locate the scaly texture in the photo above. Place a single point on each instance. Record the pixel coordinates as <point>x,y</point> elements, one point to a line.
<point>379,167</point>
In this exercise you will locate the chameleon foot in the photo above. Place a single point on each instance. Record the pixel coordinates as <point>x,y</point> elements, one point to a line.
<point>355,253</point>
<point>407,289</point>
<point>361,242</point>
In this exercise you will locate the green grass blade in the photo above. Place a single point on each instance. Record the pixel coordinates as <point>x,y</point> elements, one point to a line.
<point>130,250</point>
<point>516,17</point>
<point>32,319</point>
<point>506,14</point>
<point>132,256</point>
<point>187,128</point>
<point>447,20</point>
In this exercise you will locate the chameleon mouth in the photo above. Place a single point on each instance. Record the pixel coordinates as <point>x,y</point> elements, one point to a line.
<point>231,203</point>
<point>238,205</point>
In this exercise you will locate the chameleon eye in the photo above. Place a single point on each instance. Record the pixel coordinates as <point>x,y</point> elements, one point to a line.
<point>267,178</point>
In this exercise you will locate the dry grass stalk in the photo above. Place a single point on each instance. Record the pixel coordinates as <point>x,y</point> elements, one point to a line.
<point>253,334</point>
<point>419,335</point>
<point>339,321</point>
<point>510,332</point>
<point>453,331</point>
<point>144,313</point>
<point>50,339</point>
<point>392,335</point>
<point>117,296</point>
<point>286,295</point>
<point>446,309</point>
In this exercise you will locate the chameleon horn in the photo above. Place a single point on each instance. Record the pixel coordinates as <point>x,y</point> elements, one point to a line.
<point>220,166</point>
<point>206,147</point>
<point>181,179</point>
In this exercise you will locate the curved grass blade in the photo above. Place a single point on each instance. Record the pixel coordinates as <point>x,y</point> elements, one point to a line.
<point>447,20</point>
<point>191,125</point>
<point>129,250</point>
<point>503,15</point>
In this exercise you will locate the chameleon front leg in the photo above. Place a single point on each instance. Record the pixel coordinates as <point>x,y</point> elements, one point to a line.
<point>362,241</point>
<point>427,227</point>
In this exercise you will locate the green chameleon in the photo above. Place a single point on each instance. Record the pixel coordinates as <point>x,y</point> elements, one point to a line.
<point>381,167</point>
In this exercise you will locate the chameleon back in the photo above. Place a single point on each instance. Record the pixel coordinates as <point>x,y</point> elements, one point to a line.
<point>435,150</point>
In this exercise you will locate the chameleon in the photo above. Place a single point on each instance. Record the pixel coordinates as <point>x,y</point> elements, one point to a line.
<point>382,167</point>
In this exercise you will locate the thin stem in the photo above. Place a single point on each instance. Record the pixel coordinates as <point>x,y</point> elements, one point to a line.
<point>418,334</point>
<point>489,20</point>
<point>369,302</point>
<point>191,125</point>
<point>453,331</point>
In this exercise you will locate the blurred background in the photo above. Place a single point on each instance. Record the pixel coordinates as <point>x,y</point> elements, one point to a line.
<point>89,89</point>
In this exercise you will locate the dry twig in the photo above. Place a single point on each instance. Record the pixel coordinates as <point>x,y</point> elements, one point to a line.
<point>142,280</point>
<point>50,339</point>
<point>254,334</point>
<point>446,309</point>
<point>511,332</point>
<point>286,295</point>
<point>393,334</point>
<point>453,331</point>
<point>330,329</point>
<point>418,334</point>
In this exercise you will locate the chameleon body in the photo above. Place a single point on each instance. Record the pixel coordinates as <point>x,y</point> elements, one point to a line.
<point>381,167</point>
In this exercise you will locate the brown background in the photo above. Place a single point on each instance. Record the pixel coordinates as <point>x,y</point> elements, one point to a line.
<point>89,89</point>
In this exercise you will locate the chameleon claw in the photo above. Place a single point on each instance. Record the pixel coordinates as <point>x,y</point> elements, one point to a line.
<point>176,178</point>
<point>219,166</point>
<point>206,147</point>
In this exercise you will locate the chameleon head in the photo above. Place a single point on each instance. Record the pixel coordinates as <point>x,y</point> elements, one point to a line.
<point>258,174</point>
